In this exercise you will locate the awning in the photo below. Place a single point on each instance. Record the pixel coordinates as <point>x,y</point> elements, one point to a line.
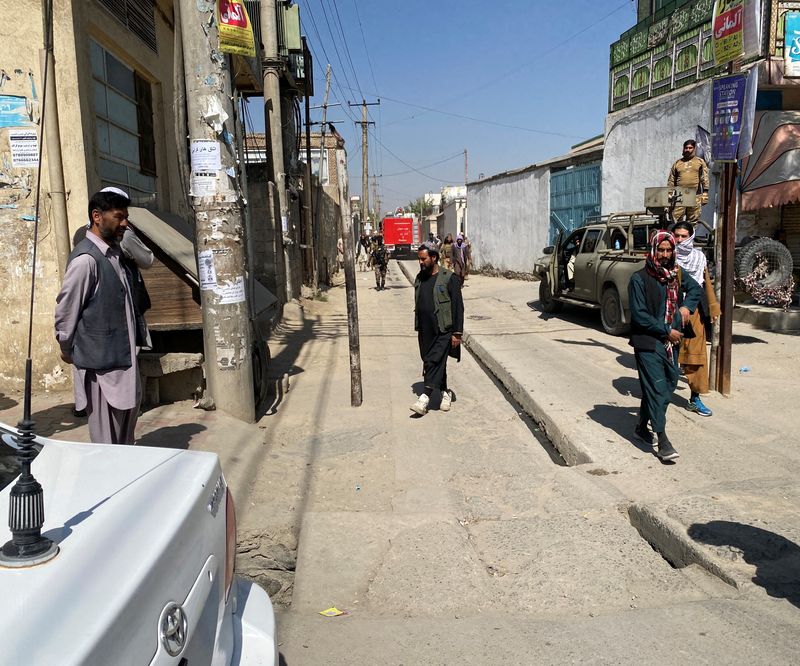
<point>771,175</point>
<point>173,235</point>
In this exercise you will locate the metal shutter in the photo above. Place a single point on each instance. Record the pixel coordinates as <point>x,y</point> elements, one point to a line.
<point>790,221</point>
<point>138,16</point>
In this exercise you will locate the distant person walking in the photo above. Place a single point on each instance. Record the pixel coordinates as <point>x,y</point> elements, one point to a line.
<point>380,258</point>
<point>461,258</point>
<point>693,353</point>
<point>447,252</point>
<point>98,323</point>
<point>439,322</point>
<point>690,171</point>
<point>362,252</point>
<point>661,299</point>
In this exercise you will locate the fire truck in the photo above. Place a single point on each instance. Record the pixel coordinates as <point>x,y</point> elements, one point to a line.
<point>402,235</point>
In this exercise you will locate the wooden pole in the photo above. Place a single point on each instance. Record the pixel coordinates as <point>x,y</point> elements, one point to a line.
<point>726,276</point>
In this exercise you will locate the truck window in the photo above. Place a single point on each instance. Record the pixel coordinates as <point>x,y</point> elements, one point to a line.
<point>641,237</point>
<point>616,239</point>
<point>590,241</point>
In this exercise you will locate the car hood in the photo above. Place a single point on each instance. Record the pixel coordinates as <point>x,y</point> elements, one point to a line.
<point>134,526</point>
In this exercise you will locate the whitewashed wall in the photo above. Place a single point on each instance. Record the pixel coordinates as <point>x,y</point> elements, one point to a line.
<point>641,144</point>
<point>509,219</point>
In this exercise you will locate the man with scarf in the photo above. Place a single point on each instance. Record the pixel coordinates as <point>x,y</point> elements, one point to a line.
<point>661,299</point>
<point>439,322</point>
<point>692,357</point>
<point>460,258</point>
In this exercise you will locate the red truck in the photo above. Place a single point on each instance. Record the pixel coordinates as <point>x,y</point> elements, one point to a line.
<point>401,235</point>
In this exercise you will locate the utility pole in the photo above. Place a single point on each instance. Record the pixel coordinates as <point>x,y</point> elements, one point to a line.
<point>466,168</point>
<point>364,158</point>
<point>726,248</point>
<point>272,66</point>
<point>219,219</point>
<point>311,244</point>
<point>323,153</point>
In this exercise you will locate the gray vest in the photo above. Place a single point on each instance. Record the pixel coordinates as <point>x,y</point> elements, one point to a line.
<point>101,339</point>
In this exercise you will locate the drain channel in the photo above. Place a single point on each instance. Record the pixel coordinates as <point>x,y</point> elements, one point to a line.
<point>530,423</point>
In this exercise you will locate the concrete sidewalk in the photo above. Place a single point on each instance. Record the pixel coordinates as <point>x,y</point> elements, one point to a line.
<point>730,502</point>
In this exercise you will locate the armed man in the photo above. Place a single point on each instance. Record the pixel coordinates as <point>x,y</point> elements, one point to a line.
<point>380,259</point>
<point>690,171</point>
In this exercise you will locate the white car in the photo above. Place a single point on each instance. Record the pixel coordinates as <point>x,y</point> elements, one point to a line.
<point>145,568</point>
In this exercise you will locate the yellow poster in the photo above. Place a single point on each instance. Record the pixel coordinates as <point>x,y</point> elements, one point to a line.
<point>235,30</point>
<point>728,28</point>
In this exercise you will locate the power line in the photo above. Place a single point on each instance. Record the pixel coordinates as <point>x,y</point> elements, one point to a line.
<point>334,40</point>
<point>366,50</point>
<point>403,162</point>
<point>460,153</point>
<point>346,46</point>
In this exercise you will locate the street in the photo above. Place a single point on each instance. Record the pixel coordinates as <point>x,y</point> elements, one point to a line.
<point>463,536</point>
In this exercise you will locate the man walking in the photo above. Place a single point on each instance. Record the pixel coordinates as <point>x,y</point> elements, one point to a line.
<point>661,299</point>
<point>98,324</point>
<point>690,171</point>
<point>461,258</point>
<point>693,354</point>
<point>380,258</point>
<point>439,322</point>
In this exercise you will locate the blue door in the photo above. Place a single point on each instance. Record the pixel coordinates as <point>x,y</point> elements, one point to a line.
<point>574,197</point>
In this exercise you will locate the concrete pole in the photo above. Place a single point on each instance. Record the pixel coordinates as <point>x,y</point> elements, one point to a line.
<point>364,165</point>
<point>311,241</point>
<point>271,69</point>
<point>323,156</point>
<point>52,143</point>
<point>218,209</point>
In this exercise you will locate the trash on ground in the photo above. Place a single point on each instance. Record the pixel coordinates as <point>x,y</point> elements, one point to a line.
<point>744,370</point>
<point>332,612</point>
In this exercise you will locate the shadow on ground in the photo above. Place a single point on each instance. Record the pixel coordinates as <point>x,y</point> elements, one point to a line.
<point>6,402</point>
<point>172,437</point>
<point>57,419</point>
<point>776,558</point>
<point>621,420</point>
<point>624,358</point>
<point>574,315</point>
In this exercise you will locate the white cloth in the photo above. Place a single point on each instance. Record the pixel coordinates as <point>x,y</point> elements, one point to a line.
<point>690,259</point>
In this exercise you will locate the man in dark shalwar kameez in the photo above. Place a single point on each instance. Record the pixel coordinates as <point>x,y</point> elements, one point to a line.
<point>439,322</point>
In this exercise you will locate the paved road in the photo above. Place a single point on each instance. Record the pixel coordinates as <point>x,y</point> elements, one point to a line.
<point>455,538</point>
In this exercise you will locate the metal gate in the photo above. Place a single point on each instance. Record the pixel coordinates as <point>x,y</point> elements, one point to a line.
<point>574,196</point>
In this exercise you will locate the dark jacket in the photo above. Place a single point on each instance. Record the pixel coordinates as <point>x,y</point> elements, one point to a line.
<point>647,299</point>
<point>447,303</point>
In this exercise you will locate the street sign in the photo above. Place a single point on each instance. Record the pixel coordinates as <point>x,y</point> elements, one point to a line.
<point>727,114</point>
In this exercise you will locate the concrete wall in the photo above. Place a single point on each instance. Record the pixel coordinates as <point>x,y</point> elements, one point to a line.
<point>509,220</point>
<point>74,23</point>
<point>643,142</point>
<point>453,218</point>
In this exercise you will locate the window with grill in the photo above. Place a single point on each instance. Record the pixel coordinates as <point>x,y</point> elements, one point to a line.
<point>123,114</point>
<point>136,15</point>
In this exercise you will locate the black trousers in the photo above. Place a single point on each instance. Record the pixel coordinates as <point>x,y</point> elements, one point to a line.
<point>658,376</point>
<point>434,360</point>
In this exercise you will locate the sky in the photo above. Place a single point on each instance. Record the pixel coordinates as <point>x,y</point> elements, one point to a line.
<point>513,83</point>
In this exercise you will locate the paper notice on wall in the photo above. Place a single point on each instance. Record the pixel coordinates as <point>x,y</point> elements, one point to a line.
<point>203,184</point>
<point>206,270</point>
<point>205,156</point>
<point>285,224</point>
<point>24,148</point>
<point>231,292</point>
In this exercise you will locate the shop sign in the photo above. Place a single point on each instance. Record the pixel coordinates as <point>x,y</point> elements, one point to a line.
<point>728,113</point>
<point>235,29</point>
<point>791,48</point>
<point>728,30</point>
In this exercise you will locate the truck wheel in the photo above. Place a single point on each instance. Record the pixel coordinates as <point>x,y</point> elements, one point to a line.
<point>546,300</point>
<point>611,312</point>
<point>777,255</point>
<point>261,360</point>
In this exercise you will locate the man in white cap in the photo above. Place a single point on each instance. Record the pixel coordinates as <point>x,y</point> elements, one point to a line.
<point>99,322</point>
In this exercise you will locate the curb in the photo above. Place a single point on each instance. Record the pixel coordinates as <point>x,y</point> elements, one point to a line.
<point>670,539</point>
<point>572,452</point>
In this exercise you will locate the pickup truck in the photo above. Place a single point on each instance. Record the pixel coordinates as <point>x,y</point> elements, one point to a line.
<point>592,266</point>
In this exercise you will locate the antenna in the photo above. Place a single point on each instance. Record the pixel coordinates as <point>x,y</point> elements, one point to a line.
<point>27,546</point>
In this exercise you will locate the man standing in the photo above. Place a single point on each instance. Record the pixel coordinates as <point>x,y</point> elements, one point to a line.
<point>661,299</point>
<point>380,258</point>
<point>460,259</point>
<point>690,171</point>
<point>439,322</point>
<point>693,354</point>
<point>98,325</point>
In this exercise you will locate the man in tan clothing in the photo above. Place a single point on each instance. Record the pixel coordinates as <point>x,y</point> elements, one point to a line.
<point>690,171</point>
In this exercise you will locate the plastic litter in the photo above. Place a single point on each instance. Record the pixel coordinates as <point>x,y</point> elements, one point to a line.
<point>332,612</point>
<point>744,370</point>
<point>358,487</point>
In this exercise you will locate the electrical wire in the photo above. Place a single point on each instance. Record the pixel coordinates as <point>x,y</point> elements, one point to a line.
<point>346,46</point>
<point>334,41</point>
<point>460,153</point>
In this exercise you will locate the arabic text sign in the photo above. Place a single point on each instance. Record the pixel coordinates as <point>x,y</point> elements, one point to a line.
<point>728,29</point>
<point>235,30</point>
<point>24,148</point>
<point>728,111</point>
<point>205,156</point>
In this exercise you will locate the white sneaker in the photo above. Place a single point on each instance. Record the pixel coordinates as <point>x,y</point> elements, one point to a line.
<point>421,405</point>
<point>447,400</point>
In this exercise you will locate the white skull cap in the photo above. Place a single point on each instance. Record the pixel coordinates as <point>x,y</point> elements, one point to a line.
<point>116,190</point>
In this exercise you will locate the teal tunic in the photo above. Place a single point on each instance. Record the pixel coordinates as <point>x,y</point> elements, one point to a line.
<point>658,374</point>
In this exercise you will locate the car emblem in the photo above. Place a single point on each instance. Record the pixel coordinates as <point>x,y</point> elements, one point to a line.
<point>173,629</point>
